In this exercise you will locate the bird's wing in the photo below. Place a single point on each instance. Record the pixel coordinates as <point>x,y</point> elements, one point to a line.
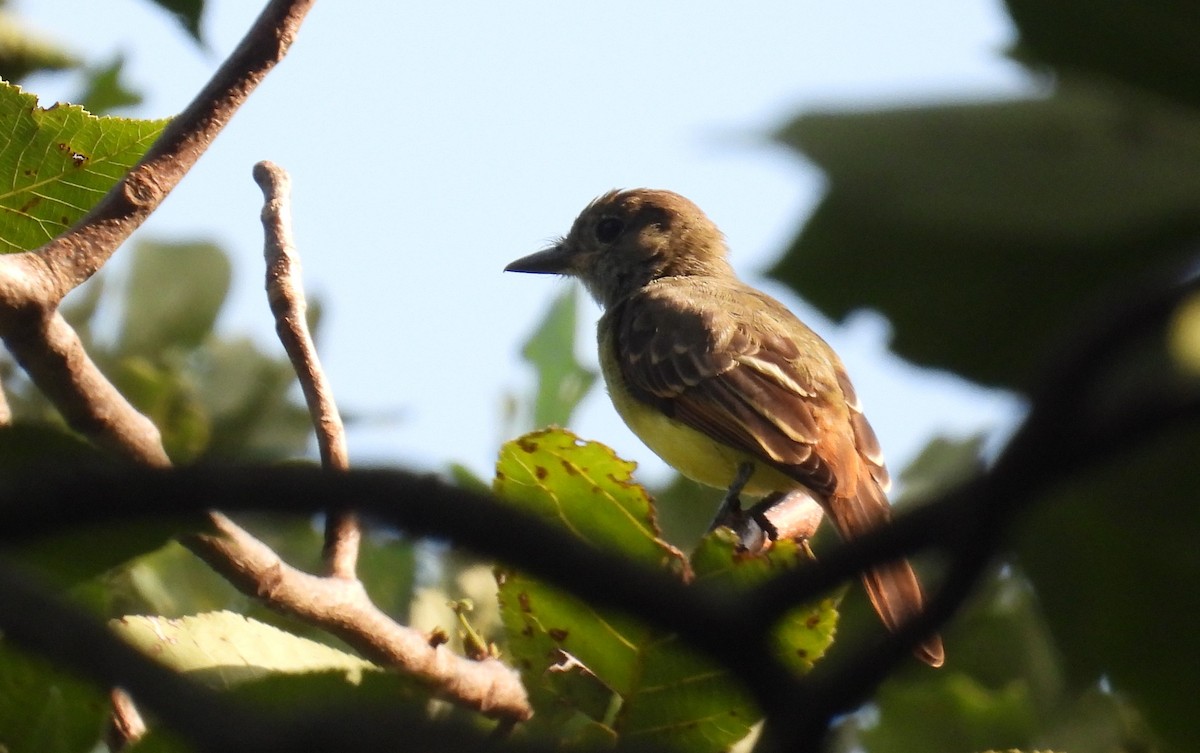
<point>748,375</point>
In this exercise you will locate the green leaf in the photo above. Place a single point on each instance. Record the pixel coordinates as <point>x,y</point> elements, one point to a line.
<point>982,230</point>
<point>806,632</point>
<point>951,713</point>
<point>74,554</point>
<point>34,447</point>
<point>170,582</point>
<point>1101,721</point>
<point>106,90</point>
<point>591,671</point>
<point>164,307</point>
<point>57,163</point>
<point>1003,683</point>
<point>1113,557</point>
<point>223,649</point>
<point>187,13</point>
<point>1149,45</point>
<point>587,489</point>
<point>562,380</point>
<point>162,391</point>
<point>323,691</point>
<point>248,397</point>
<point>942,464</point>
<point>44,710</point>
<point>23,51</point>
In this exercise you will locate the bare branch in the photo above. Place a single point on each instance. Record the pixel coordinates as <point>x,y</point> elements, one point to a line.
<point>32,284</point>
<point>342,607</point>
<point>285,293</point>
<point>68,260</point>
<point>51,353</point>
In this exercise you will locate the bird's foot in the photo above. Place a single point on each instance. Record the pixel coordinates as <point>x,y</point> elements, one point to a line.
<point>753,530</point>
<point>730,513</point>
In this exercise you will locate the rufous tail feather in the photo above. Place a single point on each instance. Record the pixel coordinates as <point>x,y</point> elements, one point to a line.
<point>892,587</point>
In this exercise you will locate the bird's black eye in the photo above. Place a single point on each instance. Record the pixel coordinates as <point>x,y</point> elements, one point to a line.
<point>608,229</point>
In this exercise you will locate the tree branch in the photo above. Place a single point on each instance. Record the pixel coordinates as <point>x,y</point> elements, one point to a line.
<point>50,352</point>
<point>73,257</point>
<point>341,606</point>
<point>208,720</point>
<point>285,293</point>
<point>33,283</point>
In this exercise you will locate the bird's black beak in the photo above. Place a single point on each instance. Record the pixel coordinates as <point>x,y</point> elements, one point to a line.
<point>555,260</point>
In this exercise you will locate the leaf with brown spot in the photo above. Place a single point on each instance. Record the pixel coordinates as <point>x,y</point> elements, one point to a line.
<point>63,156</point>
<point>669,695</point>
<point>587,489</point>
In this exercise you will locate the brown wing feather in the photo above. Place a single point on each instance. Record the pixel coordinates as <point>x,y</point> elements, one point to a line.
<point>736,383</point>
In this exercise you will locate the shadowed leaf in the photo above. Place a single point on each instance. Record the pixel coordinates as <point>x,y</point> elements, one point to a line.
<point>982,230</point>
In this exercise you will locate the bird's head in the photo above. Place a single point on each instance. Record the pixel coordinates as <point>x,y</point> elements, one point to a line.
<point>626,239</point>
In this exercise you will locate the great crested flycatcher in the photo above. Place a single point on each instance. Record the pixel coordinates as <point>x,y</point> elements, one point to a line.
<point>721,380</point>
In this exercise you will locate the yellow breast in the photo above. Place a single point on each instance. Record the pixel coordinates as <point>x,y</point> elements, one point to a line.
<point>689,451</point>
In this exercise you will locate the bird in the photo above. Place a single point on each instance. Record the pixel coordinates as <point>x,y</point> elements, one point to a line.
<point>722,381</point>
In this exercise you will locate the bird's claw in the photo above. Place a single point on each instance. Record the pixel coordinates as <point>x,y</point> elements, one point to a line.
<point>753,529</point>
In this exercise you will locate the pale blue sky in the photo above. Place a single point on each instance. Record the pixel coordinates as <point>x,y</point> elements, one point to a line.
<point>432,143</point>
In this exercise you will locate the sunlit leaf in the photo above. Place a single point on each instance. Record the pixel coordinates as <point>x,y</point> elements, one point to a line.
<point>583,663</point>
<point>806,632</point>
<point>56,163</point>
<point>223,649</point>
<point>584,487</point>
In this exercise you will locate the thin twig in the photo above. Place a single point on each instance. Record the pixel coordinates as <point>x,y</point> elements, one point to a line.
<point>285,293</point>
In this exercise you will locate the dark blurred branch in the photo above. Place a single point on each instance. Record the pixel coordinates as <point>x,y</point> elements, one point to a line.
<point>419,504</point>
<point>1063,435</point>
<point>208,720</point>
